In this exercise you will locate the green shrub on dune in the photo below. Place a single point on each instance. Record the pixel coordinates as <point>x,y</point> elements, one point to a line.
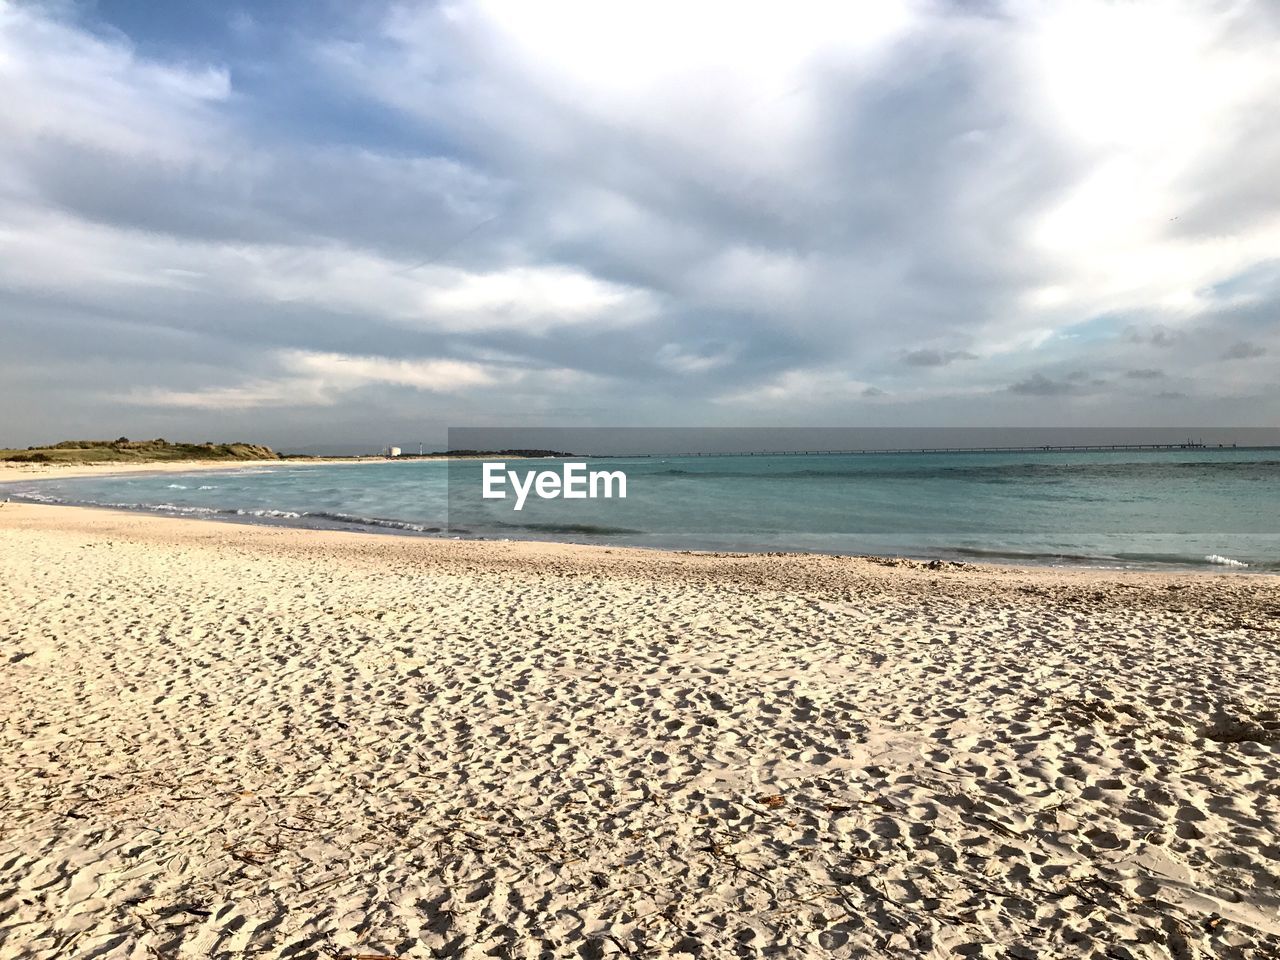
<point>125,450</point>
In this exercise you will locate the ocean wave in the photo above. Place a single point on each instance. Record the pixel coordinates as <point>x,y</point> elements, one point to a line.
<point>177,486</point>
<point>589,529</point>
<point>33,497</point>
<point>169,508</point>
<point>1127,560</point>
<point>1224,561</point>
<point>1028,556</point>
<point>381,522</point>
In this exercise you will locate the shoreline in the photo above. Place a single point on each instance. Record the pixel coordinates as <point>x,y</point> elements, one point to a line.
<point>46,516</point>
<point>365,527</point>
<point>246,740</point>
<point>1210,559</point>
<point>70,471</point>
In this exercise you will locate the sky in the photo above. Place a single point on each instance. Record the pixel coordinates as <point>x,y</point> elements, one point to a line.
<point>333,225</point>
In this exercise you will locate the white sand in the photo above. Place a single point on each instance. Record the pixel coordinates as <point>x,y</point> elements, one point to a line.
<point>10,471</point>
<point>231,741</point>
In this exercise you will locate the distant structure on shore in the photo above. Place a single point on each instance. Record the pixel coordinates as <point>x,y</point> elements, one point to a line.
<point>393,451</point>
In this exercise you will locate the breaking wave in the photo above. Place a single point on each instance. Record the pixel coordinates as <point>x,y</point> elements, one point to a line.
<point>1224,561</point>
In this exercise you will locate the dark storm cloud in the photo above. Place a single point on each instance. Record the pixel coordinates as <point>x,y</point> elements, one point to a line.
<point>936,358</point>
<point>1244,350</point>
<point>1038,385</point>
<point>1156,336</point>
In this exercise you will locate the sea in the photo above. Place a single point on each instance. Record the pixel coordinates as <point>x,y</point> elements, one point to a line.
<point>1207,509</point>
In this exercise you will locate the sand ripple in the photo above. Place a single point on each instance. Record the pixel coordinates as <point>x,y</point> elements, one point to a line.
<point>226,742</point>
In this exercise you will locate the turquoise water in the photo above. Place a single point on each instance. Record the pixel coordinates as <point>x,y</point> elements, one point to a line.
<point>1211,509</point>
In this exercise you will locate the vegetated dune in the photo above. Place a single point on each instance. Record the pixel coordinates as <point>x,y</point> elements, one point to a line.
<point>124,450</point>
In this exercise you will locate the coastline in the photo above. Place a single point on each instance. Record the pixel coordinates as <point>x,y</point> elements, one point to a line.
<point>230,739</point>
<point>408,510</point>
<point>382,527</point>
<point>68,471</point>
<point>42,516</point>
<point>31,471</point>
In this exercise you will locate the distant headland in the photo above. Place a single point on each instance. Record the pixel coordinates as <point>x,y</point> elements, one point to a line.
<point>124,450</point>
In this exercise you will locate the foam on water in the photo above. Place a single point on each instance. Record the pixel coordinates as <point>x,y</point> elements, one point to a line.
<point>1224,561</point>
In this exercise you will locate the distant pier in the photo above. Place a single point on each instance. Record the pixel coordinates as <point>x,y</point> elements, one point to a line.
<point>1043,448</point>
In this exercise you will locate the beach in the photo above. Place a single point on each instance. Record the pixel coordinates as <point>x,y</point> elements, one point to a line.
<point>225,740</point>
<point>10,471</point>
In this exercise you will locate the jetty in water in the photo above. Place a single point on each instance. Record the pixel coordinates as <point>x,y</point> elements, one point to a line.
<point>1043,448</point>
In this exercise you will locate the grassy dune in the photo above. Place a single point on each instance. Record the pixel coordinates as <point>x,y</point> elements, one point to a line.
<point>136,451</point>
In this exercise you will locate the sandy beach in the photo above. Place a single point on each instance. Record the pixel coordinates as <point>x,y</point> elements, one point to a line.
<point>233,741</point>
<point>13,471</point>
<point>10,471</point>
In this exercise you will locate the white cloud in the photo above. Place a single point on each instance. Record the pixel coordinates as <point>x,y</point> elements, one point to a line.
<point>65,84</point>
<point>1144,96</point>
<point>321,379</point>
<point>530,299</point>
<point>288,392</point>
<point>800,388</point>
<point>689,361</point>
<point>721,80</point>
<point>348,372</point>
<point>736,111</point>
<point>52,252</point>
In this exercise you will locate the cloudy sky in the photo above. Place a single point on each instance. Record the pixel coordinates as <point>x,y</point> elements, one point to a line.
<point>330,225</point>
